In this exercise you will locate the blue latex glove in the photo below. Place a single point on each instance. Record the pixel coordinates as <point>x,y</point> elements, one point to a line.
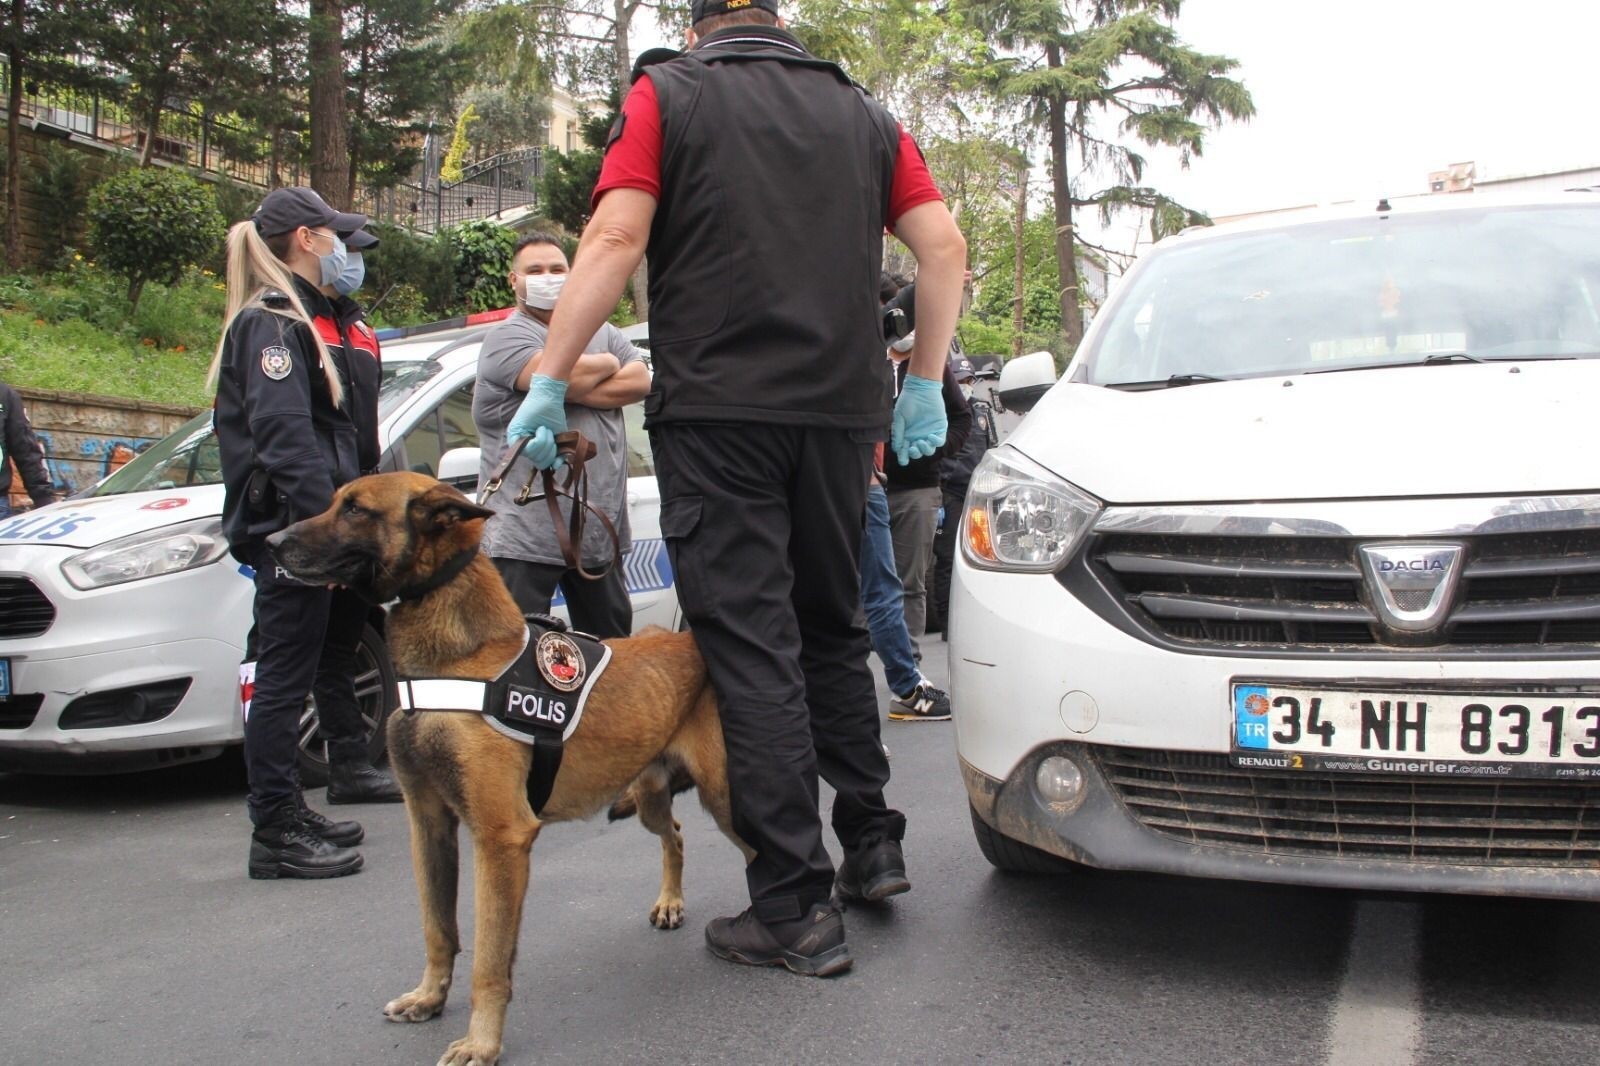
<point>542,415</point>
<point>919,419</point>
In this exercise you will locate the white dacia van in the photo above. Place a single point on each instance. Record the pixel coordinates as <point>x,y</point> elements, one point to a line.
<point>1295,574</point>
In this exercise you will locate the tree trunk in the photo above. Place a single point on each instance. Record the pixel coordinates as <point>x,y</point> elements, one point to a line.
<point>330,145</point>
<point>1018,279</point>
<point>152,127</point>
<point>1066,258</point>
<point>623,10</point>
<point>14,142</point>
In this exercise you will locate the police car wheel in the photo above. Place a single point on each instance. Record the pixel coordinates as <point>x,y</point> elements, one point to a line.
<point>375,693</point>
<point>1013,856</point>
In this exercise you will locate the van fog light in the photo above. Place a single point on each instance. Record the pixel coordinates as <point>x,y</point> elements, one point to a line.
<point>1059,782</point>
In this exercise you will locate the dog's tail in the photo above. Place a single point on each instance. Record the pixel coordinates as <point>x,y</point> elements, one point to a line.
<point>627,805</point>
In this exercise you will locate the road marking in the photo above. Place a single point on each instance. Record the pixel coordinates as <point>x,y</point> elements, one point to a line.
<point>1377,1019</point>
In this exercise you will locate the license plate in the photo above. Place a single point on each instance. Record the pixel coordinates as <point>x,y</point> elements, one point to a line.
<point>1369,730</point>
<point>5,678</point>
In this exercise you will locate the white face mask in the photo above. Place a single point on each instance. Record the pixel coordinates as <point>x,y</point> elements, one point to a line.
<point>906,343</point>
<point>541,290</point>
<point>966,392</point>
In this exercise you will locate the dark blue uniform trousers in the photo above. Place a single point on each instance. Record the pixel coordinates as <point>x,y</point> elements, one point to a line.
<point>304,641</point>
<point>763,525</point>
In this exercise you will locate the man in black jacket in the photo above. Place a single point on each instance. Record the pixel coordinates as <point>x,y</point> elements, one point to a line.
<point>20,448</point>
<point>759,179</point>
<point>955,477</point>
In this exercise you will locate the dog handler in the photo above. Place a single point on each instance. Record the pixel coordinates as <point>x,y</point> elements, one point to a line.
<point>760,180</point>
<point>296,415</point>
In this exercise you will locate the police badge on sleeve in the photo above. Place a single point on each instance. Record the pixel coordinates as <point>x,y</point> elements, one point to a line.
<point>276,362</point>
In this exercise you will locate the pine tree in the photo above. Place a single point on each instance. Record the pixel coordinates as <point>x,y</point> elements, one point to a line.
<point>1067,64</point>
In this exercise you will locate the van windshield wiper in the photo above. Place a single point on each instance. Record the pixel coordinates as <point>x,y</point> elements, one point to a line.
<point>1435,359</point>
<point>1166,383</point>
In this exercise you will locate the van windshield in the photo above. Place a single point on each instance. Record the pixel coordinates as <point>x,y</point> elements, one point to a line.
<point>1451,286</point>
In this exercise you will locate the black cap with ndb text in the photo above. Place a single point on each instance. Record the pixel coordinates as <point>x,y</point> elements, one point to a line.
<point>702,9</point>
<point>288,209</point>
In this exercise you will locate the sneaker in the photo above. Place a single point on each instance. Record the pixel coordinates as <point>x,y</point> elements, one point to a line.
<point>922,704</point>
<point>340,834</point>
<point>285,847</point>
<point>813,946</point>
<point>874,871</point>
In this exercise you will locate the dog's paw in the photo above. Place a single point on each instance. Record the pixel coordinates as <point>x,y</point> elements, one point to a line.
<point>470,1052</point>
<point>413,1007</point>
<point>667,913</point>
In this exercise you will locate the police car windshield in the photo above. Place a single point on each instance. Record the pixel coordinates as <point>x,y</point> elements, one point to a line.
<point>183,460</point>
<point>190,457</point>
<point>1462,286</point>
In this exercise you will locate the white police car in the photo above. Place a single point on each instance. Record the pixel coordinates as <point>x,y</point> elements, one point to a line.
<point>123,617</point>
<point>1295,575</point>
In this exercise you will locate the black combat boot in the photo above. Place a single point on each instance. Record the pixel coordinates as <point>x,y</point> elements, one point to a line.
<point>284,846</point>
<point>873,871</point>
<point>358,781</point>
<point>812,946</point>
<point>340,834</point>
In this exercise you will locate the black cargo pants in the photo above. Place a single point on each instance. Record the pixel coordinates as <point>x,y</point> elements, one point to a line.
<point>763,526</point>
<point>304,640</point>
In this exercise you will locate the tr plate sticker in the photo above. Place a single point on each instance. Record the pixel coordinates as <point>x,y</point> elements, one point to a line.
<point>276,362</point>
<point>560,661</point>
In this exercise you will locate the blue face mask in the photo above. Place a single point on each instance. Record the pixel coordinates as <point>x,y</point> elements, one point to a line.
<point>333,263</point>
<point>353,274</point>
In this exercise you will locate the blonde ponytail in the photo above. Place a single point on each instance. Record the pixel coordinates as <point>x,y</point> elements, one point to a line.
<point>252,270</point>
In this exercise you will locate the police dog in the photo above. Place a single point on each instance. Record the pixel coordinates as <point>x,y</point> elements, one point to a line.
<point>650,725</point>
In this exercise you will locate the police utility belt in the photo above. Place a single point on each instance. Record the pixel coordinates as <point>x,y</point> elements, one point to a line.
<point>538,700</point>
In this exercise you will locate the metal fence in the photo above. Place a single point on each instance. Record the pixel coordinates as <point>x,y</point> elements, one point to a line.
<point>190,137</point>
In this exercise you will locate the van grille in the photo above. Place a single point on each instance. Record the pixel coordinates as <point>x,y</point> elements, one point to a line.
<point>1202,799</point>
<point>1520,589</point>
<point>24,610</point>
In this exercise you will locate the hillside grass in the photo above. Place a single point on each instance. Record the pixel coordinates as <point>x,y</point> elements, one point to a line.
<point>74,331</point>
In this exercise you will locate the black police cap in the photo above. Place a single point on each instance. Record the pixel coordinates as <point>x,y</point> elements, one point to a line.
<point>702,9</point>
<point>285,210</point>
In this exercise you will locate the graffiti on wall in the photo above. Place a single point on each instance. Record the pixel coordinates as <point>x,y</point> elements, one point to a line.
<point>99,457</point>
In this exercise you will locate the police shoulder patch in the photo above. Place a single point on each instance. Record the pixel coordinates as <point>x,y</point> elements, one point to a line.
<point>276,362</point>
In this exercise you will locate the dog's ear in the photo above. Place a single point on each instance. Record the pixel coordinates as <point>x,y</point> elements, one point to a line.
<point>442,507</point>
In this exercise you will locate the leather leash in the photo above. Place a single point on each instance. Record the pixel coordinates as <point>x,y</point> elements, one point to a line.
<point>577,450</point>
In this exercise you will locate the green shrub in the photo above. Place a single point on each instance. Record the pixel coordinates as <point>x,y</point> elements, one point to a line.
<point>148,225</point>
<point>483,259</point>
<point>56,182</point>
<point>404,260</point>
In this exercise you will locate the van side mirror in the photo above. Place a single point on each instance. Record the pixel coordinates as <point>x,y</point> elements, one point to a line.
<point>1024,381</point>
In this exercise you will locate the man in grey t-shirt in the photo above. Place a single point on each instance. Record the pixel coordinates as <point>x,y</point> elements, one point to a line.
<point>521,541</point>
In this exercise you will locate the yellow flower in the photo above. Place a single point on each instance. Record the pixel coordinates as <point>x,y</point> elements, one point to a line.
<point>208,273</point>
<point>77,258</point>
<point>220,288</point>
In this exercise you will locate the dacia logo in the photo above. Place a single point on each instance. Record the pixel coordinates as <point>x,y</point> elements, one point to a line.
<point>1423,563</point>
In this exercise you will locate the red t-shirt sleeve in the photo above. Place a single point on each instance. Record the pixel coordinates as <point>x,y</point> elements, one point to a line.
<point>633,160</point>
<point>913,185</point>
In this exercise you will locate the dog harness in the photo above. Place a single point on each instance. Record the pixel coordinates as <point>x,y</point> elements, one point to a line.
<point>538,700</point>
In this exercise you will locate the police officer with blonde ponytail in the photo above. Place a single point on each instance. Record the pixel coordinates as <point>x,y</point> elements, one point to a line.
<point>296,373</point>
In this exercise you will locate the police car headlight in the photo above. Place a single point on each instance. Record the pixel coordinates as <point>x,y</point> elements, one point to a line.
<point>1020,516</point>
<point>168,550</point>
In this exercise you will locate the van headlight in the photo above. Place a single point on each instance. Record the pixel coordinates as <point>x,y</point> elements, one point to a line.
<point>1020,516</point>
<point>168,550</point>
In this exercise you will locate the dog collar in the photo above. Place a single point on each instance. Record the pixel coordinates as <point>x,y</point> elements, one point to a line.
<point>442,576</point>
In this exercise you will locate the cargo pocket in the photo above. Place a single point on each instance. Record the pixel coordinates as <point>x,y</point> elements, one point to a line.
<point>680,516</point>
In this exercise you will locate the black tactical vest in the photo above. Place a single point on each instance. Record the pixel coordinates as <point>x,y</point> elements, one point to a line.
<point>768,239</point>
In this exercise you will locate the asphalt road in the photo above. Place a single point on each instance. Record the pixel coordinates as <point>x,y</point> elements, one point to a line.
<point>130,934</point>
